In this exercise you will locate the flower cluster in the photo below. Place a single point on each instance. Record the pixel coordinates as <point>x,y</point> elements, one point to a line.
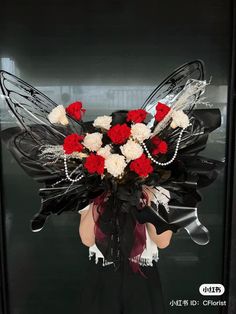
<point>76,110</point>
<point>117,148</point>
<point>160,146</point>
<point>142,166</point>
<point>119,133</point>
<point>136,116</point>
<point>72,143</point>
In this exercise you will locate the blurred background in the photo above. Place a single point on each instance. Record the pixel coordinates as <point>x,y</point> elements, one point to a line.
<point>110,55</point>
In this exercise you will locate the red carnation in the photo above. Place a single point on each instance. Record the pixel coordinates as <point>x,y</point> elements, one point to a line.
<point>119,133</point>
<point>75,110</point>
<point>161,111</point>
<point>136,116</point>
<point>72,143</point>
<point>142,166</point>
<point>95,163</point>
<point>160,146</point>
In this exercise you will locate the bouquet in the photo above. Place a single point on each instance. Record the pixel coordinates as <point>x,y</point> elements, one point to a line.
<point>117,160</point>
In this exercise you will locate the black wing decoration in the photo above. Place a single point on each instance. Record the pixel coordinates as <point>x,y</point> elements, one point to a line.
<point>174,83</point>
<point>30,108</point>
<point>194,171</point>
<point>59,194</point>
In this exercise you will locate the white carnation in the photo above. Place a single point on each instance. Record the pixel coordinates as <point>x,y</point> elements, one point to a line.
<point>115,164</point>
<point>104,151</point>
<point>179,119</point>
<point>93,141</point>
<point>103,122</point>
<point>140,132</point>
<point>58,115</point>
<point>131,150</point>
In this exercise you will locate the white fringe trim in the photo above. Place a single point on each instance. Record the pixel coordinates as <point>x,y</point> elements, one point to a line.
<point>145,261</point>
<point>104,262</point>
<point>142,260</point>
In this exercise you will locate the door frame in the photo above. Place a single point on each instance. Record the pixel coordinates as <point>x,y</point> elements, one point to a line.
<point>229,251</point>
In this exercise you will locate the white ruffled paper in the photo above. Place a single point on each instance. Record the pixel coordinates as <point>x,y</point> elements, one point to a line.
<point>149,254</point>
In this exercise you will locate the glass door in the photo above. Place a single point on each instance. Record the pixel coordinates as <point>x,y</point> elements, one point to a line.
<point>110,56</point>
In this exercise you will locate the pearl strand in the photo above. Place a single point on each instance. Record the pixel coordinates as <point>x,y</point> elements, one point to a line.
<point>174,156</point>
<point>67,174</point>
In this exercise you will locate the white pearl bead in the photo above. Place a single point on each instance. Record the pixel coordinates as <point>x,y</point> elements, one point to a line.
<point>67,174</point>
<point>174,156</point>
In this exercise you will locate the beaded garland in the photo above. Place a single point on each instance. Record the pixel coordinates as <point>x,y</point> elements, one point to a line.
<point>174,156</point>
